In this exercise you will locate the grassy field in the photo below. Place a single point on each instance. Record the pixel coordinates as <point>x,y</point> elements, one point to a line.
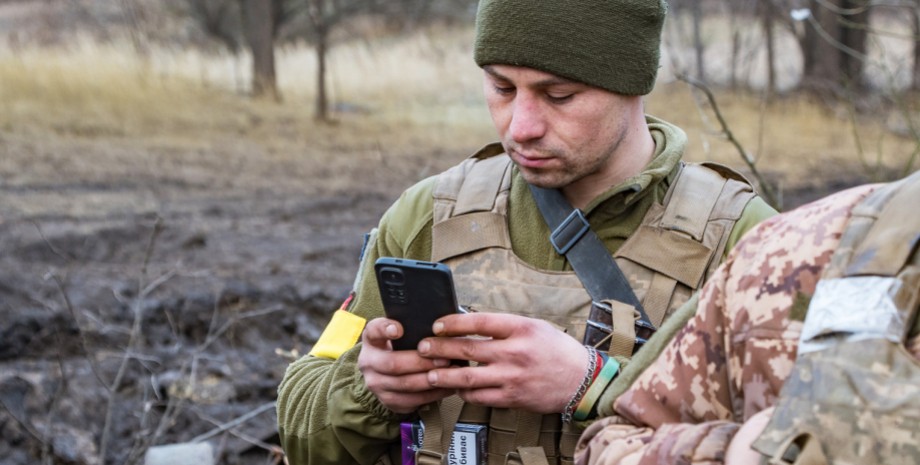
<point>397,96</point>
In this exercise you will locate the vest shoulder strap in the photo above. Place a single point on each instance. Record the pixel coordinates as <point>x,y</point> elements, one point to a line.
<point>470,204</point>
<point>704,192</point>
<point>684,241</point>
<point>882,234</point>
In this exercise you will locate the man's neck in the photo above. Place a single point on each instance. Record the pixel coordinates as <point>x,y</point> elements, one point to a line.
<point>631,157</point>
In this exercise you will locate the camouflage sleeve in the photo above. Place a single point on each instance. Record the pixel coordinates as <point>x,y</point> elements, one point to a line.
<point>731,359</point>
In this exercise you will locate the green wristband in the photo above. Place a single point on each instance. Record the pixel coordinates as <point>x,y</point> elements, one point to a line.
<point>608,372</point>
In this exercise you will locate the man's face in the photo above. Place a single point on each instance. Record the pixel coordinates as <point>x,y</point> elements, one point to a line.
<point>557,131</point>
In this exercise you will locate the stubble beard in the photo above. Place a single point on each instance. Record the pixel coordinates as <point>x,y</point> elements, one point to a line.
<point>552,178</point>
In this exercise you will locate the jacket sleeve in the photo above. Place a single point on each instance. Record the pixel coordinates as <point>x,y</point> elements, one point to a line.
<point>731,358</point>
<point>679,409</point>
<point>326,414</point>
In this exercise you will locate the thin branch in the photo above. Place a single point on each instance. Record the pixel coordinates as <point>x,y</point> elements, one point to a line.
<point>83,341</point>
<point>51,246</point>
<point>135,334</point>
<point>235,422</point>
<point>765,186</point>
<point>25,426</point>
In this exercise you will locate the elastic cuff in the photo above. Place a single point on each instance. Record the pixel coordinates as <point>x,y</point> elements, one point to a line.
<point>368,401</point>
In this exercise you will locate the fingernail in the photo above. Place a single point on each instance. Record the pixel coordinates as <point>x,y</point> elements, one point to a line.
<point>440,362</point>
<point>433,378</point>
<point>424,346</point>
<point>438,328</point>
<point>391,331</point>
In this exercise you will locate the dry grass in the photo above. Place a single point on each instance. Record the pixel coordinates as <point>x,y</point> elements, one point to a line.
<point>402,96</point>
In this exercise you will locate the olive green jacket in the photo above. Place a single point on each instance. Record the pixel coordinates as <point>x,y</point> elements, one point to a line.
<point>326,414</point>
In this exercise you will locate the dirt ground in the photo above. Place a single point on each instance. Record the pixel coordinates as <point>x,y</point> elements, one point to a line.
<point>161,290</point>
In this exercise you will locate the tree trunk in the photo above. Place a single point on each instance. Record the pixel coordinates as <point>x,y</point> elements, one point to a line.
<point>854,34</point>
<point>915,21</point>
<point>322,100</point>
<point>257,23</point>
<point>698,39</point>
<point>767,21</point>
<point>834,47</point>
<point>822,55</point>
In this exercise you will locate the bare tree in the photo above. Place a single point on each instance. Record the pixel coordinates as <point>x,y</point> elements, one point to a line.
<point>767,18</point>
<point>915,25</point>
<point>834,45</point>
<point>324,17</point>
<point>258,27</point>
<point>696,7</point>
<point>219,19</point>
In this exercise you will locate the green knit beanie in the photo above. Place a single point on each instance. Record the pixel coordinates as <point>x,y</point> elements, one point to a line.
<point>611,44</point>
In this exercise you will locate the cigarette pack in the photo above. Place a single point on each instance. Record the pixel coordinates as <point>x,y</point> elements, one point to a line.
<point>467,446</point>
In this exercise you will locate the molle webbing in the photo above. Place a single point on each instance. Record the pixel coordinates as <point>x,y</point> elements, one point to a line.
<point>854,393</point>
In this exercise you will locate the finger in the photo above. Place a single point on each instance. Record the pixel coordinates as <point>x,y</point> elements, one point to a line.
<point>476,377</point>
<point>409,403</point>
<point>495,325</point>
<point>380,330</point>
<point>405,384</point>
<point>474,349</point>
<point>493,397</point>
<point>396,362</point>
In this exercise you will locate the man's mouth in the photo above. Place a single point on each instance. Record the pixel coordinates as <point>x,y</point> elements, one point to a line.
<point>530,160</point>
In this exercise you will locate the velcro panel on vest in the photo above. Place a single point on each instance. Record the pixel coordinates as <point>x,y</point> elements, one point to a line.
<point>893,238</point>
<point>669,253</point>
<point>468,233</point>
<point>690,211</point>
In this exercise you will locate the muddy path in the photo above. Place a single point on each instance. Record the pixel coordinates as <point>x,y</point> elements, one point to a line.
<point>150,295</point>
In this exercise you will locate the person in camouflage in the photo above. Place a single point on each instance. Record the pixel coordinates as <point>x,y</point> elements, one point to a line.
<point>709,382</point>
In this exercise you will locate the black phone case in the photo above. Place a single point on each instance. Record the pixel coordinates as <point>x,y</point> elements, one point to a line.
<point>415,293</point>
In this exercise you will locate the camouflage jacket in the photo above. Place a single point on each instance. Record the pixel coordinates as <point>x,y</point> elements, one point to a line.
<point>732,357</point>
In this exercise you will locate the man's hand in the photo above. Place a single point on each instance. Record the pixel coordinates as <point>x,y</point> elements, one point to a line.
<point>398,378</point>
<point>739,451</point>
<point>520,362</point>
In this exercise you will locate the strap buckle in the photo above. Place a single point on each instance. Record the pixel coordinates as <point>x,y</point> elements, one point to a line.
<point>427,457</point>
<point>599,328</point>
<point>569,232</point>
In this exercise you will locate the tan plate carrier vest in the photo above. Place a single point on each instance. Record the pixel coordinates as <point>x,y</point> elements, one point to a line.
<point>677,245</point>
<point>854,394</point>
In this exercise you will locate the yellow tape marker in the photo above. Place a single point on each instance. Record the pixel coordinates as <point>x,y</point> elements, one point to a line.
<point>341,334</point>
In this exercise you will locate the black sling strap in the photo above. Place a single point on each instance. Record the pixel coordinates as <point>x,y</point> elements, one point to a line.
<point>573,238</point>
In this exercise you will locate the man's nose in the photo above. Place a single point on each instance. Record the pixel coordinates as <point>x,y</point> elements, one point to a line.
<point>527,120</point>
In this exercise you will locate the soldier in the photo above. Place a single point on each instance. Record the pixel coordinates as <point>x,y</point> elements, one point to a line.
<point>564,83</point>
<point>809,329</point>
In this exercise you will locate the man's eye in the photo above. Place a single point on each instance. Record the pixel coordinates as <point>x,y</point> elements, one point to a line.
<point>559,98</point>
<point>503,90</point>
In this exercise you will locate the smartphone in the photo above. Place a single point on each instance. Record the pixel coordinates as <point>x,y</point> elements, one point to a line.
<point>415,293</point>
